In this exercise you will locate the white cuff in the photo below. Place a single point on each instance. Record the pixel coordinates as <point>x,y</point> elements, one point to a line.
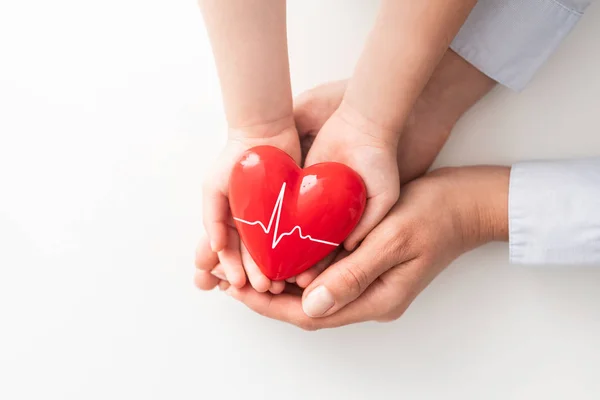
<point>554,212</point>
<point>509,40</point>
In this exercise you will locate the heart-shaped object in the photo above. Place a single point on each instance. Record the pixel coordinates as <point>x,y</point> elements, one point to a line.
<point>289,218</point>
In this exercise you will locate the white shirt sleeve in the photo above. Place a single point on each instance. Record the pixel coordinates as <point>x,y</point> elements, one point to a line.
<point>509,40</point>
<point>554,212</point>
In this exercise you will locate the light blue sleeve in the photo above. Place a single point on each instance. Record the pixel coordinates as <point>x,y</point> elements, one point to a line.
<point>509,40</point>
<point>554,212</point>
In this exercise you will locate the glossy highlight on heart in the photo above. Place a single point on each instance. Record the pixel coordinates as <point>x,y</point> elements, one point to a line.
<point>289,218</point>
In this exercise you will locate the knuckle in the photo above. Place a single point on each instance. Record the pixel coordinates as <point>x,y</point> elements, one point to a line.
<point>355,279</point>
<point>386,241</point>
<point>400,239</point>
<point>397,249</point>
<point>391,316</point>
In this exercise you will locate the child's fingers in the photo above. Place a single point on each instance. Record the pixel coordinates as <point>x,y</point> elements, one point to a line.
<point>305,278</point>
<point>231,260</point>
<point>215,213</point>
<point>257,279</point>
<point>206,259</point>
<point>223,285</point>
<point>219,273</point>
<point>205,280</point>
<point>277,287</point>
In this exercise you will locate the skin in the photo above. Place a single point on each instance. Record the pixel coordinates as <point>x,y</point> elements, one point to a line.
<point>454,87</point>
<point>248,38</point>
<point>437,218</point>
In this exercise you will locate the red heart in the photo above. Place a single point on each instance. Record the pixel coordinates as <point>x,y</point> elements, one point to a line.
<point>289,218</point>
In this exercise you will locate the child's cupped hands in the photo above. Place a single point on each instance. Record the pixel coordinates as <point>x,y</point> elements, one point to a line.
<point>324,131</point>
<point>222,245</point>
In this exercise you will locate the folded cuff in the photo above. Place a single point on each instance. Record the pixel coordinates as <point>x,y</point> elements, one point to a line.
<point>554,212</point>
<point>509,40</point>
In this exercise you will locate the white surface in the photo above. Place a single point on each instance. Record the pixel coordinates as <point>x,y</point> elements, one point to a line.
<point>109,116</point>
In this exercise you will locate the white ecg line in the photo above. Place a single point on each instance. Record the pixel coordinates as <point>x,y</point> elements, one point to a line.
<point>277,211</point>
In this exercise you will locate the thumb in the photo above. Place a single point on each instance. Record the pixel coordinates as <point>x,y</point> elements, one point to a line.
<point>344,281</point>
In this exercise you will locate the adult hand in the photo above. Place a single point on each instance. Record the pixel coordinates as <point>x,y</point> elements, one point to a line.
<point>437,218</point>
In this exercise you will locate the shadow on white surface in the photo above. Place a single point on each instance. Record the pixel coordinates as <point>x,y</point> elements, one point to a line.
<point>111,115</point>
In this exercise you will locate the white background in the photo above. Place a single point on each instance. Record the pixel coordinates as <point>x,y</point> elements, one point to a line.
<point>110,115</point>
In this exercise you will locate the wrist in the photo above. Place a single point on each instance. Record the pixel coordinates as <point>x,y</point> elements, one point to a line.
<point>487,208</point>
<point>479,199</point>
<point>452,90</point>
<point>493,204</point>
<point>372,130</point>
<point>262,128</point>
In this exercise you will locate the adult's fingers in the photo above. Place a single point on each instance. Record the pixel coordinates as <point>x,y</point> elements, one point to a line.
<point>346,280</point>
<point>288,308</point>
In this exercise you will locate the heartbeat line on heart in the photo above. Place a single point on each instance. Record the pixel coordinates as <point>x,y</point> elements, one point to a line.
<point>275,216</point>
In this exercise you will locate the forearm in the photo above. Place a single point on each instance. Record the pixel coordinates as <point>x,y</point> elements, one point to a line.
<point>249,43</point>
<point>406,44</point>
<point>548,210</point>
<point>454,88</point>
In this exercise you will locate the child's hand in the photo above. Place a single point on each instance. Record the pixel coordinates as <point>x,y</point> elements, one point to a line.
<point>210,271</point>
<point>347,137</point>
<point>222,236</point>
<point>341,142</point>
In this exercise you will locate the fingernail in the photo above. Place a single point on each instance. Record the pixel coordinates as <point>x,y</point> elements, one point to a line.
<point>213,246</point>
<point>318,302</point>
<point>291,280</point>
<point>219,275</point>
